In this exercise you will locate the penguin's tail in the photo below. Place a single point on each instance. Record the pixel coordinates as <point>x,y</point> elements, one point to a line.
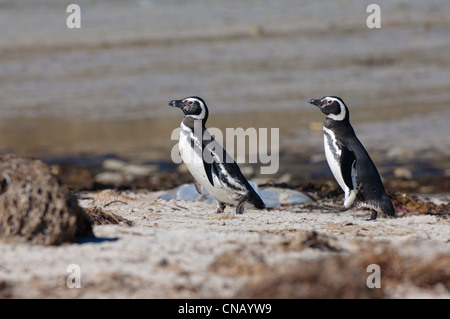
<point>386,207</point>
<point>256,200</point>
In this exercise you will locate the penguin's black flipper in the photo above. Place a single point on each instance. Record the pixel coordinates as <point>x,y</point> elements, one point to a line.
<point>225,173</point>
<point>217,161</point>
<point>228,172</point>
<point>208,157</point>
<point>348,160</point>
<point>208,169</point>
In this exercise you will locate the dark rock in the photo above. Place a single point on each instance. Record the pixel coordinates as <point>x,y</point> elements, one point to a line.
<point>36,207</point>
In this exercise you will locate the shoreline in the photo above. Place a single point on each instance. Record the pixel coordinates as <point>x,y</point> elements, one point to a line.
<point>415,175</point>
<point>407,161</point>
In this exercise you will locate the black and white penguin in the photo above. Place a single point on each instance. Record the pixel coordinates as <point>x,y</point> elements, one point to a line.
<point>208,162</point>
<point>349,162</point>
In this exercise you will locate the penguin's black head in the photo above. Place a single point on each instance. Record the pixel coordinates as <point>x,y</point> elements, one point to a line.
<point>193,107</point>
<point>333,106</point>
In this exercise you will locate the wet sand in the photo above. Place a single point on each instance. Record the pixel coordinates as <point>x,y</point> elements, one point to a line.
<point>105,87</point>
<point>424,156</point>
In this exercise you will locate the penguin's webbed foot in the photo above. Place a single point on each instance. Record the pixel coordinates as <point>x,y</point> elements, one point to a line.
<point>373,215</point>
<point>240,206</point>
<point>221,208</point>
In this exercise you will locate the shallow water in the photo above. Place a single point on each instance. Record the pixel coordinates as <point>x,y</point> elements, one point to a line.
<point>104,88</point>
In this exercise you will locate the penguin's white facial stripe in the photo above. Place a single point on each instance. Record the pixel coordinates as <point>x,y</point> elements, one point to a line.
<point>342,113</point>
<point>192,101</point>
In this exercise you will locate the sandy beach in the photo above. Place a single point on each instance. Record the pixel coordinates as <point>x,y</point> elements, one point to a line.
<point>180,249</point>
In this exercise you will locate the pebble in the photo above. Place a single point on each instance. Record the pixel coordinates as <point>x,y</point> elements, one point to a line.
<point>317,158</point>
<point>284,179</point>
<point>274,197</point>
<point>113,164</point>
<point>398,152</point>
<point>118,172</point>
<point>140,170</point>
<point>187,192</point>
<point>107,178</point>
<point>403,172</point>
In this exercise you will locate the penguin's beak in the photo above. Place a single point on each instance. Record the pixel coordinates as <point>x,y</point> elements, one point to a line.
<point>316,102</point>
<point>176,103</point>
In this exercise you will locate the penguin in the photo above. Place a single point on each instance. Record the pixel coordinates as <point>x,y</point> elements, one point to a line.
<point>349,161</point>
<point>209,163</point>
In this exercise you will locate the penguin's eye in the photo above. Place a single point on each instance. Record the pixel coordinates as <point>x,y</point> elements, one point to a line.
<point>329,101</point>
<point>190,102</point>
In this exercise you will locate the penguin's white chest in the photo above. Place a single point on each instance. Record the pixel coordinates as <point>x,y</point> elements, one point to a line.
<point>191,153</point>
